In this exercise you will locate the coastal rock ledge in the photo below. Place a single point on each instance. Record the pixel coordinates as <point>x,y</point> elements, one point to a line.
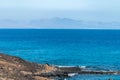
<point>15,68</point>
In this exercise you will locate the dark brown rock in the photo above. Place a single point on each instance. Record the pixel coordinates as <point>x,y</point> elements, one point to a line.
<point>15,68</point>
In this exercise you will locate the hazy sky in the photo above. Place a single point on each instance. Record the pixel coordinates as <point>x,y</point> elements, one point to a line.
<point>102,10</point>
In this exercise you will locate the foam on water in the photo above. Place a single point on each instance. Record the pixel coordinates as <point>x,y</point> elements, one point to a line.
<point>72,74</point>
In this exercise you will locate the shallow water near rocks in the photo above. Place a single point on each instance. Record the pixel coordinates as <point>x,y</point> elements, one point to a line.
<point>96,49</point>
<point>95,77</point>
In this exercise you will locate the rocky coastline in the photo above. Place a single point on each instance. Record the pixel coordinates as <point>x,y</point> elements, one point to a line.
<point>15,68</point>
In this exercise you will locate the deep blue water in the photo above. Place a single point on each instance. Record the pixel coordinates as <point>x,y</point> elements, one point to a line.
<point>95,48</point>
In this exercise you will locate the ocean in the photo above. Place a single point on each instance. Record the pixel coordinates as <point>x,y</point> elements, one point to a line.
<point>97,49</point>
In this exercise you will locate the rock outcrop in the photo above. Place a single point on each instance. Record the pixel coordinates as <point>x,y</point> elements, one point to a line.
<point>15,68</point>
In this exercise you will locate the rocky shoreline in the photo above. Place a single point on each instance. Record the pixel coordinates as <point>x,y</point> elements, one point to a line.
<point>15,68</point>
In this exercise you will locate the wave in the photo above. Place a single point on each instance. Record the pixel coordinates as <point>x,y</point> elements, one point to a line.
<point>72,74</point>
<point>89,68</point>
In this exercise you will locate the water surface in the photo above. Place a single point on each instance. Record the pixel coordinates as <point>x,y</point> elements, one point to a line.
<point>98,49</point>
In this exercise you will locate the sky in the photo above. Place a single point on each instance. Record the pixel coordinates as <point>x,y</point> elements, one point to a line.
<point>88,10</point>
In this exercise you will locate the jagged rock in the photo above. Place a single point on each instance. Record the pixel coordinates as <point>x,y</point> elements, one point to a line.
<point>15,68</point>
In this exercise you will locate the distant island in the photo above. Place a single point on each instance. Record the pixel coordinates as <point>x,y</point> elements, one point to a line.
<point>57,23</point>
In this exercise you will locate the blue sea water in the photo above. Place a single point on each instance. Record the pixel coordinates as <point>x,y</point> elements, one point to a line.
<point>98,49</point>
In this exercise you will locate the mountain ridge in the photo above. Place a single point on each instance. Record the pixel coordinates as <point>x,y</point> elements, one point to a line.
<point>58,23</point>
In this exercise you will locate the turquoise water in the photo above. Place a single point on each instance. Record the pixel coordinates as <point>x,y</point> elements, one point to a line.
<point>98,49</point>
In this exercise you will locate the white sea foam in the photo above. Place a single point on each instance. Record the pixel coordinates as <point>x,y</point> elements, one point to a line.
<point>73,66</point>
<point>72,74</point>
<point>83,67</point>
<point>65,79</point>
<point>116,73</point>
<point>66,66</point>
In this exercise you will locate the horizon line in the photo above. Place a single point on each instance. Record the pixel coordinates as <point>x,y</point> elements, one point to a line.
<point>60,28</point>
